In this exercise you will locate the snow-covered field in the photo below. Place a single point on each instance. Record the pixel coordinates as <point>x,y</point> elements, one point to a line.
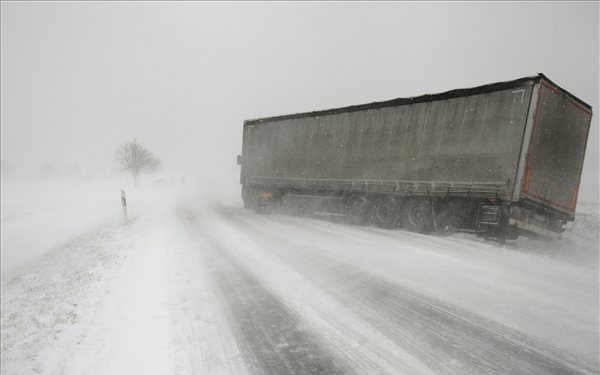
<point>196,288</point>
<point>39,214</point>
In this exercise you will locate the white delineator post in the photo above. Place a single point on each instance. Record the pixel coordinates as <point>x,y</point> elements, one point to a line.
<point>124,206</point>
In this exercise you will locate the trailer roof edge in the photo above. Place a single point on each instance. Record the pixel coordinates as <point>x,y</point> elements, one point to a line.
<point>542,75</point>
<point>455,93</point>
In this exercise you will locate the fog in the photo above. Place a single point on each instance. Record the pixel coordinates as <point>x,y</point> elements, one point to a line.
<point>79,79</point>
<point>187,280</point>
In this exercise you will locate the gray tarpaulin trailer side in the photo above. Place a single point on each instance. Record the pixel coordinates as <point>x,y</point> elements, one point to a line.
<point>492,158</point>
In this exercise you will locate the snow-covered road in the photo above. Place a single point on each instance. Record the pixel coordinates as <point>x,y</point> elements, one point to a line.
<point>220,290</point>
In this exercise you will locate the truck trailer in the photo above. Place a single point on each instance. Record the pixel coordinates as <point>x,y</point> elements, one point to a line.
<point>501,159</point>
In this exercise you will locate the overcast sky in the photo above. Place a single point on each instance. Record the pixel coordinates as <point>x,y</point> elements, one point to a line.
<point>78,79</point>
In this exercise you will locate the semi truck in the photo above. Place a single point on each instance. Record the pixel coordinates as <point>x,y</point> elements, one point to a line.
<point>501,159</point>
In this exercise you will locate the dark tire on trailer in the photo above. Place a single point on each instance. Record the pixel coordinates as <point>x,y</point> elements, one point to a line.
<point>419,215</point>
<point>252,201</point>
<point>248,203</point>
<point>253,205</point>
<point>386,212</point>
<point>503,231</point>
<point>249,198</point>
<point>507,232</point>
<point>357,208</point>
<point>258,206</point>
<point>512,233</point>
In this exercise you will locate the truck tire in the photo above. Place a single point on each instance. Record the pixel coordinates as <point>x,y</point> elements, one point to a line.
<point>248,203</point>
<point>249,199</point>
<point>419,215</point>
<point>252,202</point>
<point>357,208</point>
<point>386,212</point>
<point>506,231</point>
<point>511,233</point>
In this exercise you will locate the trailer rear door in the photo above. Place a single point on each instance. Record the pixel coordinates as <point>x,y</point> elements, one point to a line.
<point>556,150</point>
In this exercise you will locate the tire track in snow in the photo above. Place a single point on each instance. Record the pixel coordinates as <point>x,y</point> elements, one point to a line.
<point>272,338</point>
<point>203,338</point>
<point>355,341</point>
<point>550,299</point>
<point>446,339</point>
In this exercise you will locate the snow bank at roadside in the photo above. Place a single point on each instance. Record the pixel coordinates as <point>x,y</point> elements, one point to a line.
<point>39,214</point>
<point>119,299</point>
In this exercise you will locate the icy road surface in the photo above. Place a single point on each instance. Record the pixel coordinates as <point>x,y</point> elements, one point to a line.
<point>220,290</point>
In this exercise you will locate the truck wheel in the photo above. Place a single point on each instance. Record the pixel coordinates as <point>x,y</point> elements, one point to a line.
<point>419,216</point>
<point>386,212</point>
<point>248,203</point>
<point>507,232</point>
<point>252,203</point>
<point>249,198</point>
<point>357,209</point>
<point>512,233</point>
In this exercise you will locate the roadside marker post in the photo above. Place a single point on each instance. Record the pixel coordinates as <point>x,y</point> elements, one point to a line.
<point>124,206</point>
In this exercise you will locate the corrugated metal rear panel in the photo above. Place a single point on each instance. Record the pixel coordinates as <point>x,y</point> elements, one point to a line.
<point>557,148</point>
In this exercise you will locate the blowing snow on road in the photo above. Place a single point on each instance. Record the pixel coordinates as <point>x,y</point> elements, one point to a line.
<point>293,188</point>
<point>221,290</point>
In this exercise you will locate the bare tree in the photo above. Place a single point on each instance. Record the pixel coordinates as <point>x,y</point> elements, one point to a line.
<point>135,159</point>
